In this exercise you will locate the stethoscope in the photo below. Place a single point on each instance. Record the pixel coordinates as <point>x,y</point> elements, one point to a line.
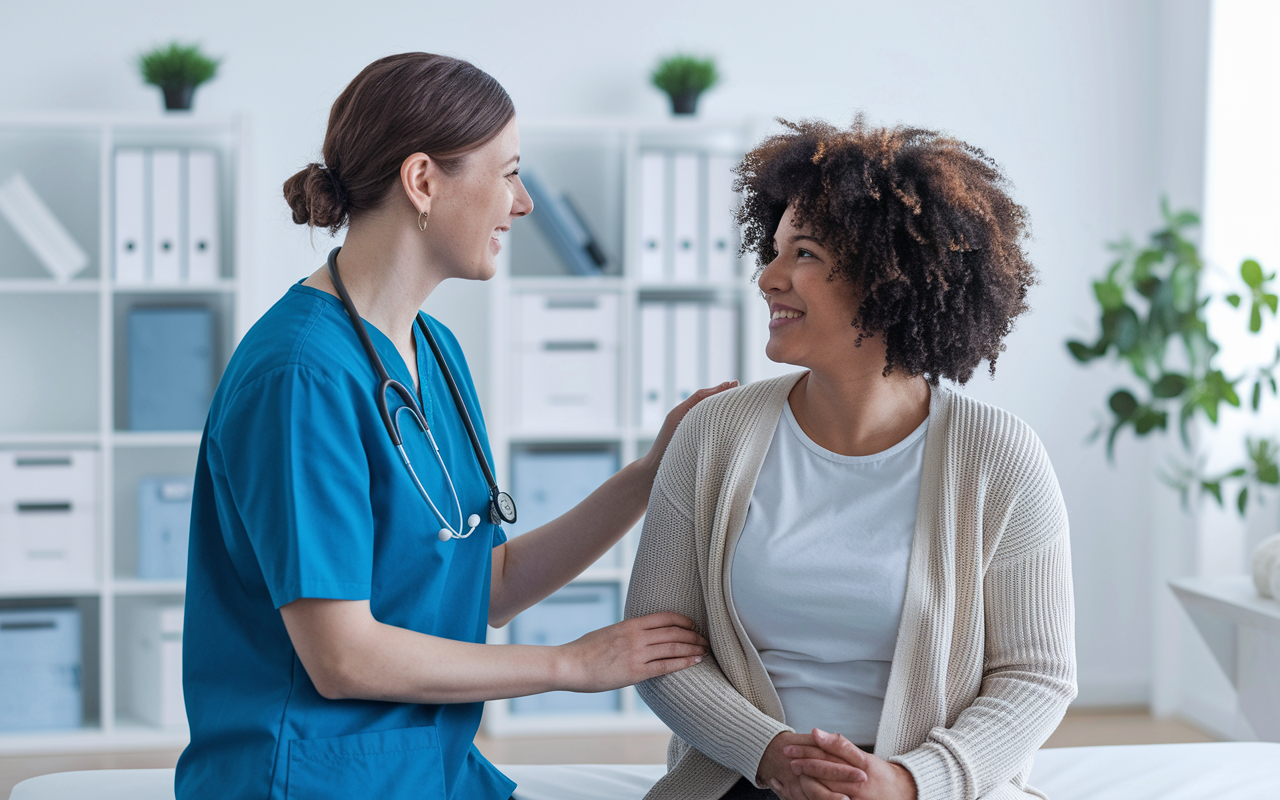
<point>501,507</point>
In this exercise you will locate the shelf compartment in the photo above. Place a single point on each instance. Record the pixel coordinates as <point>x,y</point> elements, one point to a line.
<point>90,656</point>
<point>51,342</point>
<point>131,465</point>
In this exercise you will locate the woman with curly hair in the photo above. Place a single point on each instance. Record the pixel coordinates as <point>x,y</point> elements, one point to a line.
<point>880,563</point>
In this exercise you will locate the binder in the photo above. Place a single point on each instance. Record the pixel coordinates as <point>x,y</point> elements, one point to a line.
<point>40,229</point>
<point>653,215</point>
<point>170,368</point>
<point>685,210</point>
<point>721,246</point>
<point>203,258</point>
<point>654,402</point>
<point>564,228</point>
<point>164,526</point>
<point>166,216</point>
<point>687,347</point>
<point>130,191</point>
<point>721,343</point>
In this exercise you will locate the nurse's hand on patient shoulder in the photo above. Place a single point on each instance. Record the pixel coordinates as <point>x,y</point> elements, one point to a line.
<point>630,651</point>
<point>832,767</point>
<point>673,420</point>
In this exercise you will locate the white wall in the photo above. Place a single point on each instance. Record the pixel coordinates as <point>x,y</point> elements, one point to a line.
<point>1067,96</point>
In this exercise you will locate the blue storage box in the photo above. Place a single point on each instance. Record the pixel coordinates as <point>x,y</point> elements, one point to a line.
<point>40,669</point>
<point>170,368</point>
<point>577,609</point>
<point>164,526</point>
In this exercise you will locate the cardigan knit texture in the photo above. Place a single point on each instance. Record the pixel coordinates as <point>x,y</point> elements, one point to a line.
<point>984,664</point>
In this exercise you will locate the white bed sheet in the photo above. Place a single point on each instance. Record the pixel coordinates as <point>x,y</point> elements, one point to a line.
<point>1218,771</point>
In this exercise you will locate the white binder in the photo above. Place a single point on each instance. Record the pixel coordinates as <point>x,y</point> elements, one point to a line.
<point>685,210</point>
<point>687,349</point>
<point>654,326</point>
<point>720,207</point>
<point>722,344</point>
<point>202,217</point>
<point>40,229</point>
<point>166,216</point>
<point>653,215</point>
<point>131,216</point>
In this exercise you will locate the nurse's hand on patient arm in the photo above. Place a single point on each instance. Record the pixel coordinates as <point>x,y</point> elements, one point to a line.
<point>630,652</point>
<point>830,767</point>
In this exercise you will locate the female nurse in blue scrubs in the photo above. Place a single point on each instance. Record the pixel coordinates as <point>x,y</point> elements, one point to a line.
<point>335,622</point>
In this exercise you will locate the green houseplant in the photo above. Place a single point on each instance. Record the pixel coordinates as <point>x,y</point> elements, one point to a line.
<point>684,77</point>
<point>1152,319</point>
<point>177,69</point>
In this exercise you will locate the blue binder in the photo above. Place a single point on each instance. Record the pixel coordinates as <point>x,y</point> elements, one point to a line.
<point>164,526</point>
<point>170,373</point>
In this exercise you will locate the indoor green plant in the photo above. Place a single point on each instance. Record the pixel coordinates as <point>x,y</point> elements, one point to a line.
<point>177,69</point>
<point>1152,315</point>
<point>684,77</point>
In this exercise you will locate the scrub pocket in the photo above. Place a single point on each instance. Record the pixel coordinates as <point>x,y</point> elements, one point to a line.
<point>386,765</point>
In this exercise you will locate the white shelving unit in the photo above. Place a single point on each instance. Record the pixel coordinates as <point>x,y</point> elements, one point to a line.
<point>64,343</point>
<point>597,164</point>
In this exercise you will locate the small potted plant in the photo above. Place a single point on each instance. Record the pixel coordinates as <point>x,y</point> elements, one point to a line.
<point>683,77</point>
<point>177,70</point>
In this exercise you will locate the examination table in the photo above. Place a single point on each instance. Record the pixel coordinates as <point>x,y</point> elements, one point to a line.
<point>1216,771</point>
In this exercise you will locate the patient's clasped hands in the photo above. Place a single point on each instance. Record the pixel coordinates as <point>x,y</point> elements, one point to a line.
<point>827,766</point>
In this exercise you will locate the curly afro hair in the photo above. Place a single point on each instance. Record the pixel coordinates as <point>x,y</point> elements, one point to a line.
<point>920,223</point>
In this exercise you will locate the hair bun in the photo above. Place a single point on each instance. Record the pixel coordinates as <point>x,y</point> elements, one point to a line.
<point>316,197</point>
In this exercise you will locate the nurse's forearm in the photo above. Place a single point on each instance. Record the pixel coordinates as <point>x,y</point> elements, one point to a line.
<point>533,565</point>
<point>350,655</point>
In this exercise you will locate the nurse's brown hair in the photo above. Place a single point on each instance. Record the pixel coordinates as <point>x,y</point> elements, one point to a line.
<point>919,223</point>
<point>397,106</point>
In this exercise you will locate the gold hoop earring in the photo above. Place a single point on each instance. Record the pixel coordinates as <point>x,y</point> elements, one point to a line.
<point>422,220</point>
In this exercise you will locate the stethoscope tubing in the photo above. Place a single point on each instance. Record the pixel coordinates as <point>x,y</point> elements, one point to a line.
<point>501,507</point>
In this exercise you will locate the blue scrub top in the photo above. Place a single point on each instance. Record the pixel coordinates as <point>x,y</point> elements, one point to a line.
<point>299,493</point>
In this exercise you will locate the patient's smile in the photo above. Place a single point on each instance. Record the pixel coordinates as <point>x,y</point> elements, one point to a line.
<point>780,315</point>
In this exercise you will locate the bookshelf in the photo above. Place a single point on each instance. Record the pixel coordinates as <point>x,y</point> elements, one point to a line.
<point>62,358</point>
<point>598,164</point>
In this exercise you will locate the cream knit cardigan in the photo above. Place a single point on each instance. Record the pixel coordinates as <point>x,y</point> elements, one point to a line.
<point>984,664</point>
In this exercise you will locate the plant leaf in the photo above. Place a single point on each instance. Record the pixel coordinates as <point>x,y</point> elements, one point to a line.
<point>1214,488</point>
<point>1257,395</point>
<point>1242,500</point>
<point>1082,352</point>
<point>1272,301</point>
<point>1234,300</point>
<point>1255,318</point>
<point>1170,385</point>
<point>1110,294</point>
<point>1123,403</point>
<point>1251,272</point>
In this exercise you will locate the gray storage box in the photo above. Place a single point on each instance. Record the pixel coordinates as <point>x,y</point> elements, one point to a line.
<point>40,669</point>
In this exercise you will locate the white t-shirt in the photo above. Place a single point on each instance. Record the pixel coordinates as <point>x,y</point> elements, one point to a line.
<point>820,572</point>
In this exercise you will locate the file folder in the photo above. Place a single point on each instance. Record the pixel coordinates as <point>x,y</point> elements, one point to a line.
<point>654,402</point>
<point>153,647</point>
<point>721,247</point>
<point>40,229</point>
<point>685,208</point>
<point>653,215</point>
<point>203,259</point>
<point>687,347</point>
<point>560,222</point>
<point>130,194</point>
<point>170,368</point>
<point>166,216</point>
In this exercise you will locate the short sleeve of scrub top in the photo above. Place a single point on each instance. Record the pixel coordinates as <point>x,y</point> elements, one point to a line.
<point>300,494</point>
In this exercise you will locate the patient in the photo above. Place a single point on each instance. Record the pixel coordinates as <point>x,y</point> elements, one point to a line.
<point>869,552</point>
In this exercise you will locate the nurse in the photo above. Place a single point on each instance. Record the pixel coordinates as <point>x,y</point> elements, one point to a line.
<point>334,641</point>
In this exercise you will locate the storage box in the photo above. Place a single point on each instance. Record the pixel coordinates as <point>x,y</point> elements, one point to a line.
<point>547,483</point>
<point>153,660</point>
<point>563,617</point>
<point>164,526</point>
<point>170,368</point>
<point>566,352</point>
<point>40,669</point>
<point>48,517</point>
